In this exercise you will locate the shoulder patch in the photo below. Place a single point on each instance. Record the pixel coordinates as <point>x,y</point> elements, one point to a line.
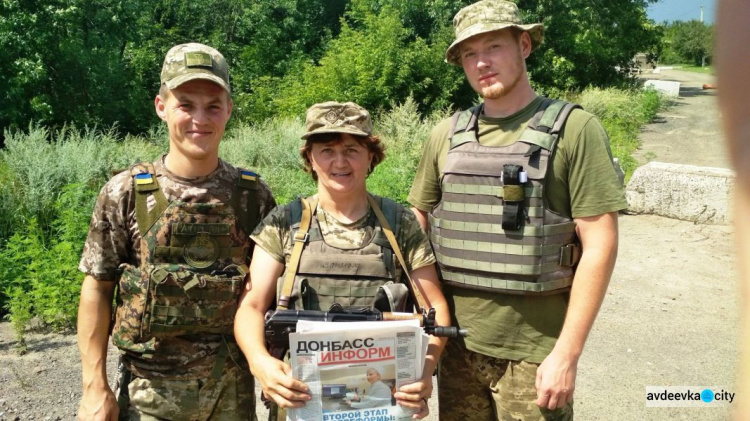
<point>144,178</point>
<point>248,179</point>
<point>249,175</point>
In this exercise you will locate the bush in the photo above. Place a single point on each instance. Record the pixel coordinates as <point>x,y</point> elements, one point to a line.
<point>403,132</point>
<point>622,113</point>
<point>38,273</point>
<point>39,163</point>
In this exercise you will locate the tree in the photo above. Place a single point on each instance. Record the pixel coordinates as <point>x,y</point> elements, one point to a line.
<point>375,61</point>
<point>61,62</point>
<point>688,42</point>
<point>588,42</point>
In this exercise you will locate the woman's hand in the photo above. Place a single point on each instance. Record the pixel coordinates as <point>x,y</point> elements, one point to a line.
<point>415,395</point>
<point>278,384</point>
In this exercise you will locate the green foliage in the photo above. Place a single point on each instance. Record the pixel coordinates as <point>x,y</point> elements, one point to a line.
<point>39,276</point>
<point>699,69</point>
<point>588,43</point>
<point>622,113</point>
<point>272,150</point>
<point>63,62</point>
<point>96,62</point>
<point>375,61</point>
<point>39,163</point>
<point>687,42</point>
<point>49,181</point>
<point>403,131</point>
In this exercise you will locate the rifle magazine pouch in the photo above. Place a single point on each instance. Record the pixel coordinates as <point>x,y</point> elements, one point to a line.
<point>391,297</point>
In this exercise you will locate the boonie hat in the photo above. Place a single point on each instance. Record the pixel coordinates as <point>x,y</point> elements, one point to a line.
<point>335,117</point>
<point>487,16</point>
<point>186,62</point>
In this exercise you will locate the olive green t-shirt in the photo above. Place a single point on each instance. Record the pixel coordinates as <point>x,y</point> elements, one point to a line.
<point>274,235</point>
<point>581,182</point>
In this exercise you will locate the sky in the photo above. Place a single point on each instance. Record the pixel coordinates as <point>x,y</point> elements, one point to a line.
<point>685,10</point>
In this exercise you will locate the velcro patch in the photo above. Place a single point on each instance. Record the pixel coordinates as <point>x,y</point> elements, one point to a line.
<point>198,59</point>
<point>249,175</point>
<point>144,178</point>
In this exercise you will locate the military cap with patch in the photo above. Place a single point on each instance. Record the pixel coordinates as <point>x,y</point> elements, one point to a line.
<point>487,16</point>
<point>186,62</point>
<point>335,117</point>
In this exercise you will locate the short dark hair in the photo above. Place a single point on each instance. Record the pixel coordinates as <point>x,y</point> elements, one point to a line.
<point>372,143</point>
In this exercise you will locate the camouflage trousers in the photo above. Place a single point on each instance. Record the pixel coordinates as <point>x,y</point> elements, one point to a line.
<point>227,398</point>
<point>476,387</point>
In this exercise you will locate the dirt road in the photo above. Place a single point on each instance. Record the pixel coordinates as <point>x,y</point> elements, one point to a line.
<point>670,316</point>
<point>671,313</point>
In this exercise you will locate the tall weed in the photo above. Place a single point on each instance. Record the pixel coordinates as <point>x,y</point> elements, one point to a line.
<point>623,113</point>
<point>271,149</point>
<point>39,163</point>
<point>38,273</point>
<point>403,132</point>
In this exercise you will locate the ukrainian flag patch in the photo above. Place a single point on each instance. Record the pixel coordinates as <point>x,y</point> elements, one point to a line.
<point>144,178</point>
<point>249,175</point>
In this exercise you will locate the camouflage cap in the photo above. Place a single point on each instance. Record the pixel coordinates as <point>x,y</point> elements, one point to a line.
<point>487,16</point>
<point>186,62</point>
<point>335,117</point>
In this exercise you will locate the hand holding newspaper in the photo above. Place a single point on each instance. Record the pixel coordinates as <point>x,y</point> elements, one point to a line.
<point>353,369</point>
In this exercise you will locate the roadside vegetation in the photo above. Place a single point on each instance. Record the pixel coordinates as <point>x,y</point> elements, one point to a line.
<point>49,181</point>
<point>79,81</point>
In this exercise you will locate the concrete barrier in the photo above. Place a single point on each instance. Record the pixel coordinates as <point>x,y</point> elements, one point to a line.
<point>667,87</point>
<point>698,194</point>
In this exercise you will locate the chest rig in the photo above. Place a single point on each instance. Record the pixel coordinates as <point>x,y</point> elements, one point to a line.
<point>319,275</point>
<point>492,229</point>
<point>193,264</point>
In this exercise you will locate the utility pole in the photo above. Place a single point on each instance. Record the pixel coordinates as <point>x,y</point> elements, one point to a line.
<point>703,61</point>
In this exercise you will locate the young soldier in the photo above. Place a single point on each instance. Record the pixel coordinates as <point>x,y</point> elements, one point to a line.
<point>172,238</point>
<point>521,199</point>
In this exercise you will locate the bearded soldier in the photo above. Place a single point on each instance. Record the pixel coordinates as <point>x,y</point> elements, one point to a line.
<point>520,197</point>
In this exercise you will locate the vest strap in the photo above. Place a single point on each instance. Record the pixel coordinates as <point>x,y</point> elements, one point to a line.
<point>247,216</point>
<point>464,126</point>
<point>144,180</point>
<point>300,238</point>
<point>418,298</point>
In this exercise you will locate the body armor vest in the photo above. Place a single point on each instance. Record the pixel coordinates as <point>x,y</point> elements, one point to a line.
<point>346,276</point>
<point>492,229</point>
<point>192,269</point>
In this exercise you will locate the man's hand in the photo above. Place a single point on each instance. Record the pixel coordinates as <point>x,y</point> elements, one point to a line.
<point>556,380</point>
<point>99,405</point>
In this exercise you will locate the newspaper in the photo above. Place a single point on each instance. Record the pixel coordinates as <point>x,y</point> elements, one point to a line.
<point>353,368</point>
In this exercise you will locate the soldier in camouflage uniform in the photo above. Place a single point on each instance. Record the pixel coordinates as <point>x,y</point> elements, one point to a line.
<point>520,198</point>
<point>344,251</point>
<point>172,239</point>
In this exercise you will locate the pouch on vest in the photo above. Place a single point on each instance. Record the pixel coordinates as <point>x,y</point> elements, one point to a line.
<point>391,297</point>
<point>513,196</point>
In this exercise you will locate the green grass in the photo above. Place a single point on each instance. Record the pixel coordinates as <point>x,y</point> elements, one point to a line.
<point>699,69</point>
